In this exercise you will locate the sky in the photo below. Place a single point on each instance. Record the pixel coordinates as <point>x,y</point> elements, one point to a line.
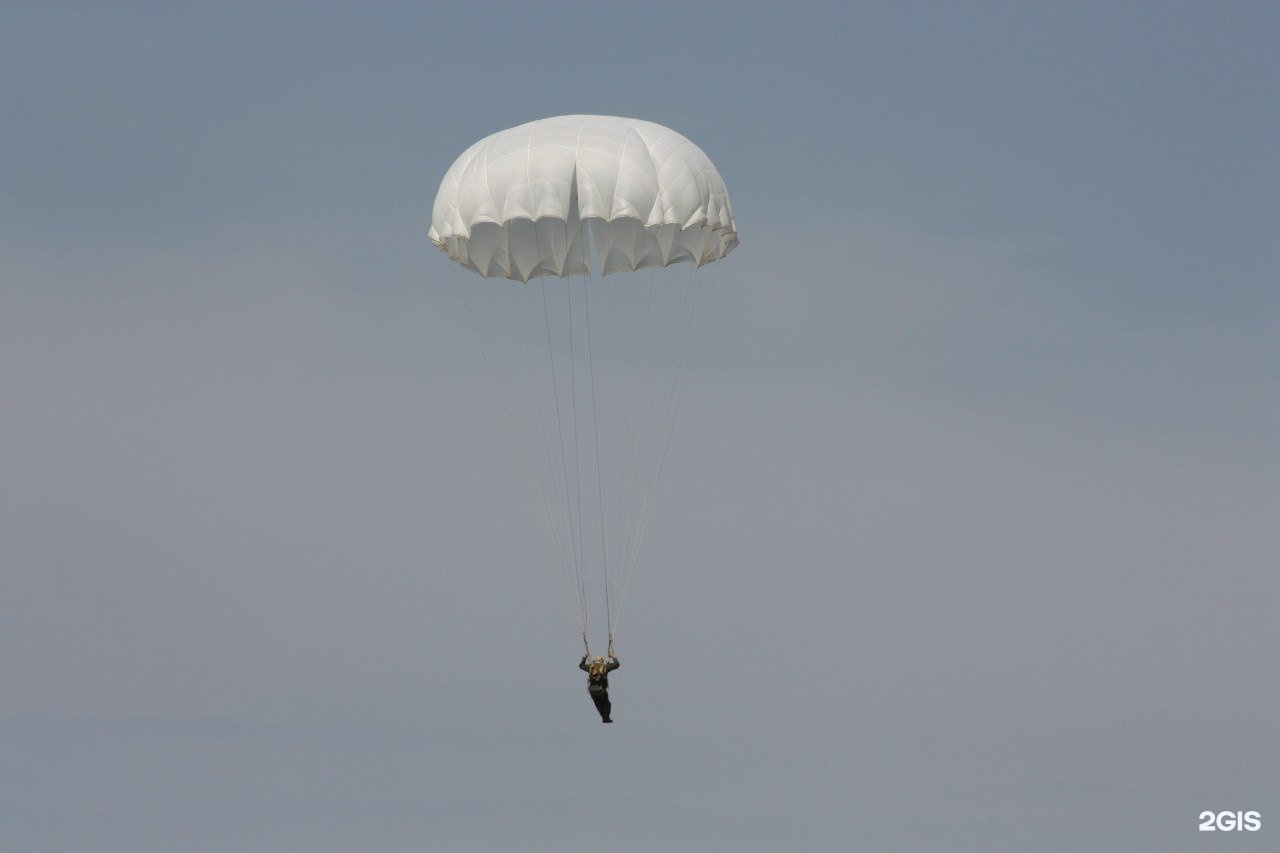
<point>967,537</point>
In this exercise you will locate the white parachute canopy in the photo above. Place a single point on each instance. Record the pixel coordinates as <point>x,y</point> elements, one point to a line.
<point>512,205</point>
<point>590,371</point>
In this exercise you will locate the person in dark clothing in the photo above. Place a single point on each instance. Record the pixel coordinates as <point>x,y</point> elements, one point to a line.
<point>598,683</point>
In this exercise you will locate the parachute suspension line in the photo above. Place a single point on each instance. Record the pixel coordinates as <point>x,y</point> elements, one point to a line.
<point>636,390</point>
<point>555,487</point>
<point>564,471</point>
<point>580,580</point>
<point>694,321</point>
<point>583,575</point>
<point>512,411</point>
<point>641,332</point>
<point>549,487</point>
<point>595,430</point>
<point>694,310</point>
<point>638,328</point>
<point>620,396</point>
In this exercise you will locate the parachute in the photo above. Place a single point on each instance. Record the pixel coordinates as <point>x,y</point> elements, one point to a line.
<point>590,367</point>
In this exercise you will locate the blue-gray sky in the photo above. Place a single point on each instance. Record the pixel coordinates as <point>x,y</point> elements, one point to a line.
<point>967,536</point>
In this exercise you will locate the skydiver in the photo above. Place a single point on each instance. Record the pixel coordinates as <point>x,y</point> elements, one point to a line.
<point>598,682</point>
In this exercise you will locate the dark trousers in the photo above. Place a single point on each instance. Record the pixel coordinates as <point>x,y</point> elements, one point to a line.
<point>601,698</point>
